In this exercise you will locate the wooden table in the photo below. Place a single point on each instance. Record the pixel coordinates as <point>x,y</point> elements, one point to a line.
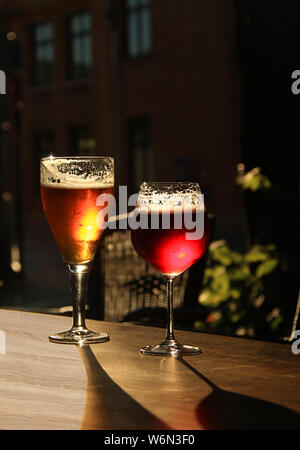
<point>235,383</point>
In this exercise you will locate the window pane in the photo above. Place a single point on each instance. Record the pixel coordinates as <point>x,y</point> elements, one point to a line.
<point>80,22</point>
<point>138,28</point>
<point>82,142</point>
<point>86,22</point>
<point>136,3</point>
<point>132,3</point>
<point>146,30</point>
<point>43,53</point>
<point>75,24</point>
<point>86,51</point>
<point>43,31</point>
<point>132,33</point>
<point>140,151</point>
<point>80,57</point>
<point>76,52</point>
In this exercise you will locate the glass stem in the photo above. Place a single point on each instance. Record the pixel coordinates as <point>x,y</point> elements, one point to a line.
<point>79,274</point>
<point>170,318</point>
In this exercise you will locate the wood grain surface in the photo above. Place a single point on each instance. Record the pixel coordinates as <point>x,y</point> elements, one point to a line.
<point>234,383</point>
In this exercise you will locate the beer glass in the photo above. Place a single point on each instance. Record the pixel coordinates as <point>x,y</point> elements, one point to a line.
<point>70,187</point>
<point>171,234</point>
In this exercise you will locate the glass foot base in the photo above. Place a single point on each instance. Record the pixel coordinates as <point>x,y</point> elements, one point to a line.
<point>170,348</point>
<point>79,337</point>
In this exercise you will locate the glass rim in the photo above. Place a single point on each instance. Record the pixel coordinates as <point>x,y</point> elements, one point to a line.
<point>169,183</point>
<point>165,185</point>
<point>52,158</point>
<point>155,194</point>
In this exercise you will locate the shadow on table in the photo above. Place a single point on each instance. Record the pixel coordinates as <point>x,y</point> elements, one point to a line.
<point>225,410</point>
<point>108,406</point>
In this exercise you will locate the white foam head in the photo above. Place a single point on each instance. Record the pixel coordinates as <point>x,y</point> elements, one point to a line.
<point>77,172</point>
<point>170,196</point>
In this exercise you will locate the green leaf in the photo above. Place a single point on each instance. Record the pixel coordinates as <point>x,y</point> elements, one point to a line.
<point>266,267</point>
<point>256,256</point>
<point>235,293</point>
<point>276,322</point>
<point>254,180</point>
<point>221,284</point>
<point>237,317</point>
<point>239,273</point>
<point>225,256</point>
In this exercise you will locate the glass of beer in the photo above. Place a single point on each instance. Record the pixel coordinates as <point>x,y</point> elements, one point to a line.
<point>170,233</point>
<point>70,187</point>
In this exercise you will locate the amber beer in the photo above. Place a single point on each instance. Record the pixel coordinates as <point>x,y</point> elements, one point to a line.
<point>72,216</point>
<point>169,250</point>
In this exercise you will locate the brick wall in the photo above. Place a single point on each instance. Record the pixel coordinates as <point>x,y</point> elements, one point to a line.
<point>189,88</point>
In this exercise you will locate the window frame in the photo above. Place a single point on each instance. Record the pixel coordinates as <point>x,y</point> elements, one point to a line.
<point>34,46</point>
<point>83,128</point>
<point>70,76</point>
<point>127,11</point>
<point>140,124</point>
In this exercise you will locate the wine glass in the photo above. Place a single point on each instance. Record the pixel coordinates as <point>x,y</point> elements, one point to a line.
<point>170,232</point>
<point>70,187</point>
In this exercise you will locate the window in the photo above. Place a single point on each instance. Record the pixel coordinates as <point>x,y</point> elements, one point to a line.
<point>140,151</point>
<point>43,146</point>
<point>43,53</point>
<point>80,46</point>
<point>138,28</point>
<point>82,142</point>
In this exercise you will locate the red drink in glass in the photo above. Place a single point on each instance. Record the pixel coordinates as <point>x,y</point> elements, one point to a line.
<point>169,250</point>
<point>168,231</point>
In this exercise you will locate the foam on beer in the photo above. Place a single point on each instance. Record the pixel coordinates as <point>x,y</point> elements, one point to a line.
<point>170,204</point>
<point>73,174</point>
<point>164,202</point>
